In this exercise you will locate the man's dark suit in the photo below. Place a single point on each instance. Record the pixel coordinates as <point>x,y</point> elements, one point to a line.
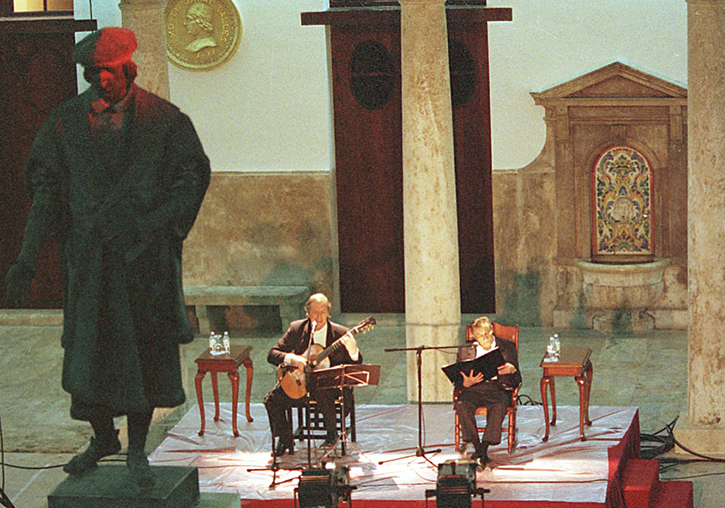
<point>296,340</point>
<point>494,395</point>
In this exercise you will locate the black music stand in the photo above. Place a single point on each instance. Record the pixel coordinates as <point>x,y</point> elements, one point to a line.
<point>341,377</point>
<point>420,451</point>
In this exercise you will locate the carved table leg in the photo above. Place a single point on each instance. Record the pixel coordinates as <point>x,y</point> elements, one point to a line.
<point>215,387</point>
<point>199,376</point>
<point>544,383</point>
<point>581,381</point>
<point>250,371</point>
<point>552,387</point>
<point>234,377</point>
<point>588,386</point>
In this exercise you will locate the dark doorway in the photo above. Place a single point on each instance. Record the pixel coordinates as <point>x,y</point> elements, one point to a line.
<point>36,75</point>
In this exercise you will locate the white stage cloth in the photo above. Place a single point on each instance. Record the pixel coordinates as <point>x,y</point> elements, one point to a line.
<point>564,469</point>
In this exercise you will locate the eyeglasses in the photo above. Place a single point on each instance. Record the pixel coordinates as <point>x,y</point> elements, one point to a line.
<point>483,336</point>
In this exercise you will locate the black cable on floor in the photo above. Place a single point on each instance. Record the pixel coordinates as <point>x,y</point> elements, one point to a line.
<point>666,441</point>
<point>4,499</point>
<point>526,400</point>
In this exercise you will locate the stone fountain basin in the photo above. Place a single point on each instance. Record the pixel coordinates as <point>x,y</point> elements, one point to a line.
<point>622,286</point>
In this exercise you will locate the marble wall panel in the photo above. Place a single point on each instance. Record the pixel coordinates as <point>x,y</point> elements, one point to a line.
<point>263,229</point>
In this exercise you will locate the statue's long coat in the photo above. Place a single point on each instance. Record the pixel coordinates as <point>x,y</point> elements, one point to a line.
<point>120,224</point>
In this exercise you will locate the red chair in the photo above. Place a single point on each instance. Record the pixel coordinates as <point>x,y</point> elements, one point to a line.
<point>510,333</point>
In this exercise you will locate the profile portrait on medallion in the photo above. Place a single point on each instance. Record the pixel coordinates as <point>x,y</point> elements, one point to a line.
<point>198,23</point>
<point>201,34</point>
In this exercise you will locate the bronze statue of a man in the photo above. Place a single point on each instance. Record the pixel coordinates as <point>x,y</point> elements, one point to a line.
<point>117,175</point>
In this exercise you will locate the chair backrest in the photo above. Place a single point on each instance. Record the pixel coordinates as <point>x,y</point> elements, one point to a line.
<point>507,332</point>
<point>510,333</point>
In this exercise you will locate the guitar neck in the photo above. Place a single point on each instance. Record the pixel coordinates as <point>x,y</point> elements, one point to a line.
<point>319,357</point>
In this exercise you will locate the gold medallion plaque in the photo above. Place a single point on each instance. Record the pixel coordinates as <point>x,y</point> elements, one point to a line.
<point>201,34</point>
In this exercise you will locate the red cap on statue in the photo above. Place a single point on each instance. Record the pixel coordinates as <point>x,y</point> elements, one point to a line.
<point>105,46</point>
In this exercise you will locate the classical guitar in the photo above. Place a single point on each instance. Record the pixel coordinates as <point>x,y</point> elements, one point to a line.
<point>292,379</point>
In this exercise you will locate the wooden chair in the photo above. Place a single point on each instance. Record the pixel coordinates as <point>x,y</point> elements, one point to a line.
<point>510,333</point>
<point>315,423</point>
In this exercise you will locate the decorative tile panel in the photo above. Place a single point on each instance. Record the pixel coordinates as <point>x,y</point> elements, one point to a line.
<point>622,184</point>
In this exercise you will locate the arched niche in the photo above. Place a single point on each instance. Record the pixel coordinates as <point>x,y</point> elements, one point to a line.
<point>617,105</point>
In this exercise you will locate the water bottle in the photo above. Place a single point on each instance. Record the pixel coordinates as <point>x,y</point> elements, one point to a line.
<point>212,342</point>
<point>226,342</point>
<point>218,346</point>
<point>557,345</point>
<point>551,349</point>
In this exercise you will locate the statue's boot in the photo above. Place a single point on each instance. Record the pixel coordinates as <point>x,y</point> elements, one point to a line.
<point>96,450</point>
<point>138,464</point>
<point>141,472</point>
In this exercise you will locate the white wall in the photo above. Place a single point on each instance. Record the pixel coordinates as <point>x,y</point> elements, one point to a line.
<point>552,41</point>
<point>268,108</point>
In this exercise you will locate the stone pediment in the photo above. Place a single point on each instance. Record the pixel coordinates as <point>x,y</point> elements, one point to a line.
<point>614,81</point>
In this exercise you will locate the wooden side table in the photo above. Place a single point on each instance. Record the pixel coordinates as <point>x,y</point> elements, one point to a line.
<point>574,361</point>
<point>228,363</point>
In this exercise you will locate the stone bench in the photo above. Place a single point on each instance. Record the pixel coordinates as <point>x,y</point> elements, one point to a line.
<point>289,299</point>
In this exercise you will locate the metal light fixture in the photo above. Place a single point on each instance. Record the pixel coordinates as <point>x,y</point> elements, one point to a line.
<point>323,488</point>
<point>456,485</point>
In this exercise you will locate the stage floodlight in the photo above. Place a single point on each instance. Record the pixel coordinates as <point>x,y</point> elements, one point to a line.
<point>323,488</point>
<point>456,484</point>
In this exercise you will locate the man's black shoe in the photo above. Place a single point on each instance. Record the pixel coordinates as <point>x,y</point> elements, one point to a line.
<point>481,459</point>
<point>282,447</point>
<point>480,456</point>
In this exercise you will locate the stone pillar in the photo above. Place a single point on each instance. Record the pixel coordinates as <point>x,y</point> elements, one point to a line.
<point>432,285</point>
<point>703,428</point>
<point>146,19</point>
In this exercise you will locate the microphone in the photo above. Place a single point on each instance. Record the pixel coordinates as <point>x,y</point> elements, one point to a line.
<point>312,338</point>
<point>309,345</point>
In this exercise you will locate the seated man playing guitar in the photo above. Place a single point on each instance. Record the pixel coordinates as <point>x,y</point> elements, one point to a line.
<point>291,354</point>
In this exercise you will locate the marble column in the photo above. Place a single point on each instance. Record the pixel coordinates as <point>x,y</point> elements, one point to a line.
<point>146,19</point>
<point>702,429</point>
<point>432,286</point>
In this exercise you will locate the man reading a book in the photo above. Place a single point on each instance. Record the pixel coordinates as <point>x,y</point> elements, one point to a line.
<point>494,393</point>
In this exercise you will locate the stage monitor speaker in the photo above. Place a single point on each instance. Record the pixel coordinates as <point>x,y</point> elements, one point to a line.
<point>456,484</point>
<point>324,488</point>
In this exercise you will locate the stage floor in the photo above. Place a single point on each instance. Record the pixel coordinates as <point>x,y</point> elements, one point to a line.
<point>563,470</point>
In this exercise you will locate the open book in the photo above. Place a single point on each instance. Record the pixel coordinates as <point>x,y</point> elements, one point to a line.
<point>487,365</point>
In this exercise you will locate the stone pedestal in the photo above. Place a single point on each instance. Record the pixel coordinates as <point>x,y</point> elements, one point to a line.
<point>703,429</point>
<point>432,285</point>
<point>112,487</point>
<point>619,295</point>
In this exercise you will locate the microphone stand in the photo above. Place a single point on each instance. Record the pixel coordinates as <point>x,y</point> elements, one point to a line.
<point>420,451</point>
<point>313,325</point>
<point>274,467</point>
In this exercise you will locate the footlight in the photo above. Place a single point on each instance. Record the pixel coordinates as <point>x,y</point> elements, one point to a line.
<point>456,485</point>
<point>323,488</point>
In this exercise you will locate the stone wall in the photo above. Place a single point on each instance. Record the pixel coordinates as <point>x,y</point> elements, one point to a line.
<point>263,229</point>
<point>277,228</point>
